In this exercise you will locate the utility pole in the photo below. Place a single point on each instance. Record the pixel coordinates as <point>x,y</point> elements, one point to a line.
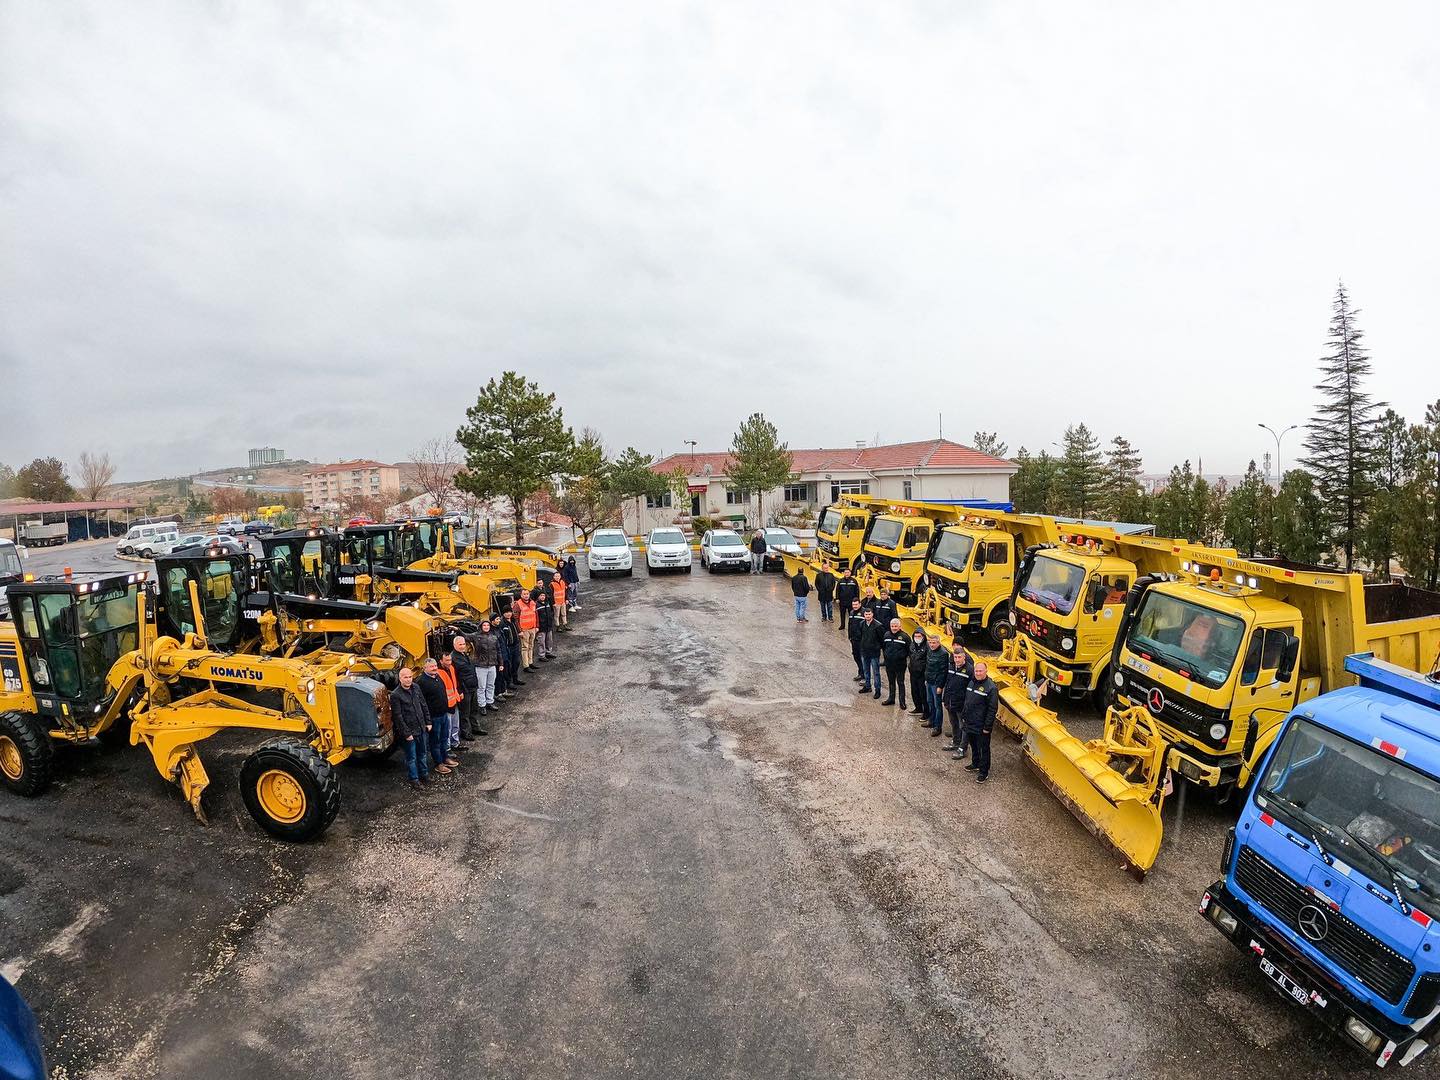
<point>692,444</point>
<point>1279,461</point>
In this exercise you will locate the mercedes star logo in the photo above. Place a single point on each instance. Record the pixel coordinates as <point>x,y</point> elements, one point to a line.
<point>1313,923</point>
<point>1156,701</point>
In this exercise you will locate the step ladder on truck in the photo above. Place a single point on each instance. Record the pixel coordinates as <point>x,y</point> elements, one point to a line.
<point>1331,876</point>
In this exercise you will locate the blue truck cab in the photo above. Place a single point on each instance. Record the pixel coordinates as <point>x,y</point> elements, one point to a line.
<point>1332,873</point>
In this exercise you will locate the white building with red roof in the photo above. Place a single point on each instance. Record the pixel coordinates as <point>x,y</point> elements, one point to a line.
<point>933,469</point>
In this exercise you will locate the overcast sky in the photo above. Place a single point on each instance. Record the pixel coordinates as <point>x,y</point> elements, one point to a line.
<point>323,226</point>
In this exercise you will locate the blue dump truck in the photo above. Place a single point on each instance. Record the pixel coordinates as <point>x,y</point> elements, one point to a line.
<point>1332,873</point>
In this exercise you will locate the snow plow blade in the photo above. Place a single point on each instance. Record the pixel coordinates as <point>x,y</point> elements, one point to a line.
<point>799,564</point>
<point>1121,809</point>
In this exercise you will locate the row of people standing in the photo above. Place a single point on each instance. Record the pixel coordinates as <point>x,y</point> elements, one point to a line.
<point>941,681</point>
<point>436,714</point>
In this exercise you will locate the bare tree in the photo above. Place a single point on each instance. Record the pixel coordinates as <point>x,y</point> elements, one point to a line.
<point>436,463</point>
<point>95,473</point>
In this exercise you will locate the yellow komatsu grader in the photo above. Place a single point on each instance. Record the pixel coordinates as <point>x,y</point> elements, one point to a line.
<point>510,570</point>
<point>376,565</point>
<point>82,657</point>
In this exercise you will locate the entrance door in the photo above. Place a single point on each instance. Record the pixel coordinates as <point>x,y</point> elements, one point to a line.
<point>694,506</point>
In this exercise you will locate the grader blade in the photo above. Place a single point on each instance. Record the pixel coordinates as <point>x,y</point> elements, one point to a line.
<point>1122,813</point>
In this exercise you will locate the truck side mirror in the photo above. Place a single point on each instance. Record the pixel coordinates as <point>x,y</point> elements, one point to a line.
<point>1288,659</point>
<point>1095,598</point>
<point>979,556</point>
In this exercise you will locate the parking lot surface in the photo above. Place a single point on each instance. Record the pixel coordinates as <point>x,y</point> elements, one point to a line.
<point>709,858</point>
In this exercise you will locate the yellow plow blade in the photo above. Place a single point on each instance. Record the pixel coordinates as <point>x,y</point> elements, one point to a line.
<point>800,564</point>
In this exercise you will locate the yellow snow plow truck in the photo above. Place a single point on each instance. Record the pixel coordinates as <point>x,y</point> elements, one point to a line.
<point>1208,661</point>
<point>839,536</point>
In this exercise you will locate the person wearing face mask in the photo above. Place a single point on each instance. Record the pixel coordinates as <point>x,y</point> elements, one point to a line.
<point>918,649</point>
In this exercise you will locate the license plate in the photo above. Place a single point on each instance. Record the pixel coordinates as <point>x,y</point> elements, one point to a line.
<point>1288,986</point>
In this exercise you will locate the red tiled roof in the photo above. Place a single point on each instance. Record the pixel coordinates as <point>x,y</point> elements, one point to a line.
<point>929,454</point>
<point>348,466</point>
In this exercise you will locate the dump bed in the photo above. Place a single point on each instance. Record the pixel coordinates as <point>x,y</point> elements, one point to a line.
<point>1402,625</point>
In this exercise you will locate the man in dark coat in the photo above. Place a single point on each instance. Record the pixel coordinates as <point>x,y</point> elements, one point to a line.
<point>757,552</point>
<point>510,641</point>
<point>853,630</point>
<point>433,687</point>
<point>545,640</point>
<point>846,590</point>
<point>469,688</point>
<point>872,637</point>
<point>957,681</point>
<point>895,649</point>
<point>884,607</point>
<point>918,649</point>
<point>800,586</point>
<point>571,573</point>
<point>825,593</point>
<point>410,717</point>
<point>937,665</point>
<point>982,703</point>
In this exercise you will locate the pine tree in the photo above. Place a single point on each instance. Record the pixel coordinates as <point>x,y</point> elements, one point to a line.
<point>1082,471</point>
<point>987,442</point>
<point>759,461</point>
<point>1246,520</point>
<point>1174,507</point>
<point>1339,446</point>
<point>1417,535</point>
<point>1299,525</point>
<point>1396,459</point>
<point>1124,495</point>
<point>1033,488</point>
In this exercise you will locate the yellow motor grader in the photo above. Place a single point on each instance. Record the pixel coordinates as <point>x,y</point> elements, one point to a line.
<point>82,657</point>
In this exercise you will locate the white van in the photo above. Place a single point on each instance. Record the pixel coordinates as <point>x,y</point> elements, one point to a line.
<point>148,541</point>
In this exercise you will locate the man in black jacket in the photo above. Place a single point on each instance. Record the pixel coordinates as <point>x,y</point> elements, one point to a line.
<point>800,586</point>
<point>872,635</point>
<point>884,607</point>
<point>757,553</point>
<point>470,695</point>
<point>510,652</point>
<point>937,664</point>
<point>982,703</point>
<point>847,589</point>
<point>487,669</point>
<point>853,631</point>
<point>957,681</point>
<point>436,700</point>
<point>895,648</point>
<point>825,593</point>
<point>410,717</point>
<point>917,675</point>
<point>545,639</point>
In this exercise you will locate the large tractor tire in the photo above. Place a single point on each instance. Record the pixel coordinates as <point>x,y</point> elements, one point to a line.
<point>26,753</point>
<point>290,790</point>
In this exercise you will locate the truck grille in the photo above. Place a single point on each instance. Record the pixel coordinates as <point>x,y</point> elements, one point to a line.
<point>945,587</point>
<point>830,547</point>
<point>1195,718</point>
<point>1361,954</point>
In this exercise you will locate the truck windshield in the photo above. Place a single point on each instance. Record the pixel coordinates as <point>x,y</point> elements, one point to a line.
<point>1194,641</point>
<point>952,551</point>
<point>1373,811</point>
<point>885,532</point>
<point>829,522</point>
<point>9,562</point>
<point>608,540</point>
<point>667,536</point>
<point>1053,584</point>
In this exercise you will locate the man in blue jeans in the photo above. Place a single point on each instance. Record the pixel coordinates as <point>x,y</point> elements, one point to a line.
<point>800,586</point>
<point>437,701</point>
<point>410,716</point>
<point>937,667</point>
<point>872,639</point>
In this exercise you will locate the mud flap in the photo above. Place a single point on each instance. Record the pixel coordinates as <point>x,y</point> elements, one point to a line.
<point>1122,813</point>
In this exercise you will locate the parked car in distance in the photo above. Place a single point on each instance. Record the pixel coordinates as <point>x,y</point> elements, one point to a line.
<point>778,541</point>
<point>667,549</point>
<point>361,520</point>
<point>722,549</point>
<point>189,540</point>
<point>148,541</point>
<point>609,553</point>
<point>229,527</point>
<point>229,545</point>
<point>257,528</point>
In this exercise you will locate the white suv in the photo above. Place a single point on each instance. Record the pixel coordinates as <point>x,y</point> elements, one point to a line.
<point>148,541</point>
<point>722,548</point>
<point>609,553</point>
<point>667,549</point>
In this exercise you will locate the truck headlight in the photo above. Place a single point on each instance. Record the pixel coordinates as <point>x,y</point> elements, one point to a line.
<point>372,624</point>
<point>1067,643</point>
<point>1222,918</point>
<point>1218,731</point>
<point>1119,678</point>
<point>895,567</point>
<point>1362,1033</point>
<point>962,592</point>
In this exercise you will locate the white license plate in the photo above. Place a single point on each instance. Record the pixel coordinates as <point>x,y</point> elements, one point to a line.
<point>1288,986</point>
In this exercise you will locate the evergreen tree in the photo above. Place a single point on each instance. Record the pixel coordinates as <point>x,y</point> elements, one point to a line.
<point>1417,536</point>
<point>1396,457</point>
<point>1174,506</point>
<point>1082,471</point>
<point>1123,493</point>
<point>759,461</point>
<point>44,480</point>
<point>1033,489</point>
<point>632,476</point>
<point>987,442</point>
<point>1339,445</point>
<point>516,444</point>
<point>588,497</point>
<point>1247,524</point>
<point>1298,522</point>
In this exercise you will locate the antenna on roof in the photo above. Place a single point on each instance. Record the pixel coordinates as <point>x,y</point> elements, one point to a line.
<point>942,425</point>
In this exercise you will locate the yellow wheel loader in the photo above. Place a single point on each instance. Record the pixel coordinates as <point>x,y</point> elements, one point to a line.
<point>82,658</point>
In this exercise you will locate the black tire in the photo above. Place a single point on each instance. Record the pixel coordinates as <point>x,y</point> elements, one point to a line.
<point>1102,696</point>
<point>689,567</point>
<point>301,791</point>
<point>26,754</point>
<point>147,554</point>
<point>630,571</point>
<point>999,629</point>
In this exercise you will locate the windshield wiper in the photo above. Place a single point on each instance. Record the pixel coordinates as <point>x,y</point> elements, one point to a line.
<point>1309,830</point>
<point>1379,857</point>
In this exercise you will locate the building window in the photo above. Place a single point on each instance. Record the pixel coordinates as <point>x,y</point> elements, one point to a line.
<point>848,487</point>
<point>906,490</point>
<point>652,503</point>
<point>736,497</point>
<point>799,493</point>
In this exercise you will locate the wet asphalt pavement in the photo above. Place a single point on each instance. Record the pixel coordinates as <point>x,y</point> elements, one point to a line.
<point>710,858</point>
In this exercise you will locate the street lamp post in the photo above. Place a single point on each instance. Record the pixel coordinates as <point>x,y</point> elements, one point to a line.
<point>1279,461</point>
